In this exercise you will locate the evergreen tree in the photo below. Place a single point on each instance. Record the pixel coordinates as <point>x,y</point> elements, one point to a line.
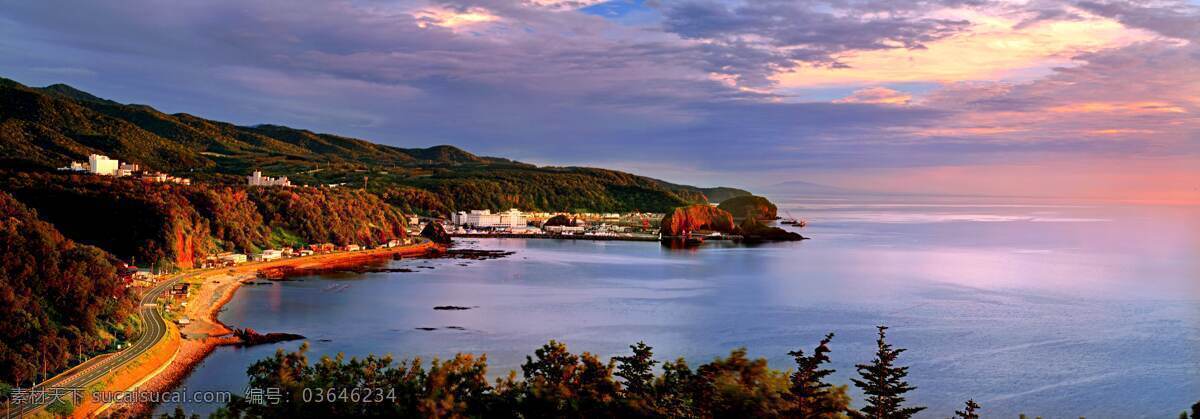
<point>969,412</point>
<point>883,383</point>
<point>811,396</point>
<point>637,370</point>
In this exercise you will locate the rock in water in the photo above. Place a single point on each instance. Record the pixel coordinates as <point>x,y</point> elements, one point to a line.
<point>697,217</point>
<point>250,337</point>
<point>434,231</point>
<point>755,231</point>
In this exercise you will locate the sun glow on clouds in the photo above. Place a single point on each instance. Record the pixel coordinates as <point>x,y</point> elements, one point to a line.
<point>449,18</point>
<point>877,95</point>
<point>996,47</point>
<point>1133,108</point>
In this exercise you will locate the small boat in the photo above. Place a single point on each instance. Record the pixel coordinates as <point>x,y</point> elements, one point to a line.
<point>792,221</point>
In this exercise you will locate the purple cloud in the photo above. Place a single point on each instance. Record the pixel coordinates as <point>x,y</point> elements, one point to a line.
<point>551,84</point>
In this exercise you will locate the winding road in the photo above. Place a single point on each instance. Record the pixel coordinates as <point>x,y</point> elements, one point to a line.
<point>99,366</point>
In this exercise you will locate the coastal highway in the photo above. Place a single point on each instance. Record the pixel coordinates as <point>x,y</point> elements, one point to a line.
<point>155,328</point>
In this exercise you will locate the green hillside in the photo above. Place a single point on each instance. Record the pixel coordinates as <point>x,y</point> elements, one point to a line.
<point>52,126</point>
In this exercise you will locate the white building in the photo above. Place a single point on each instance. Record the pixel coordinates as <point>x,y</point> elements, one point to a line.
<point>257,179</point>
<point>234,258</point>
<point>563,229</point>
<point>127,169</point>
<point>77,167</point>
<point>271,254</point>
<point>508,220</point>
<point>102,165</point>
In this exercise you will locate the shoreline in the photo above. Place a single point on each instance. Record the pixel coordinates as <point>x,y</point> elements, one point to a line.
<point>218,287</point>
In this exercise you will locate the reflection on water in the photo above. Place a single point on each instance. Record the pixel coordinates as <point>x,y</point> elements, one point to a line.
<point>1046,309</point>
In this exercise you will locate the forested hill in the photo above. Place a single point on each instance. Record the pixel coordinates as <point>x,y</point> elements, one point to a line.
<point>52,126</point>
<point>59,299</point>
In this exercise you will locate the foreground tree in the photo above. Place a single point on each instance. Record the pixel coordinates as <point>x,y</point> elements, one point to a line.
<point>883,383</point>
<point>969,411</point>
<point>638,372</point>
<point>810,395</point>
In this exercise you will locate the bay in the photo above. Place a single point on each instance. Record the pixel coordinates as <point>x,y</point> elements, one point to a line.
<point>1039,307</point>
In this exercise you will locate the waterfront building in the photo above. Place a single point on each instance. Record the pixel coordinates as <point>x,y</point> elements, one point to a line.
<point>257,179</point>
<point>563,229</point>
<point>508,220</point>
<point>271,254</point>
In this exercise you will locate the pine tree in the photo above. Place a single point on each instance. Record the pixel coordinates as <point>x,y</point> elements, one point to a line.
<point>883,383</point>
<point>637,370</point>
<point>969,412</point>
<point>811,395</point>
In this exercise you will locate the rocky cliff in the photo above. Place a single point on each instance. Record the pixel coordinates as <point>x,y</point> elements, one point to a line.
<point>697,217</point>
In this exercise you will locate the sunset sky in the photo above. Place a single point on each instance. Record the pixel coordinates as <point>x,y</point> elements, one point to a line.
<point>1030,98</point>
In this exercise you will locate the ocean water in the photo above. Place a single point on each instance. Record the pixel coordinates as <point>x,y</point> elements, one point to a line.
<point>1043,308</point>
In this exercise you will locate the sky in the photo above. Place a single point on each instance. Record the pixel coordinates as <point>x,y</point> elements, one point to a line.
<point>1057,98</point>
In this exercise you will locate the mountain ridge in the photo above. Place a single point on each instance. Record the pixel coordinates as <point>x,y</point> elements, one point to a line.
<point>53,125</point>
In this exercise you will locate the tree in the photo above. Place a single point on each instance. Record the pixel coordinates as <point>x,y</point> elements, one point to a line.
<point>637,370</point>
<point>61,408</point>
<point>969,411</point>
<point>559,383</point>
<point>811,396</point>
<point>883,383</point>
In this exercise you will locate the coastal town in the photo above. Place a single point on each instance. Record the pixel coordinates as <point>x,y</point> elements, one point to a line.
<point>636,226</point>
<point>476,223</point>
<point>181,297</point>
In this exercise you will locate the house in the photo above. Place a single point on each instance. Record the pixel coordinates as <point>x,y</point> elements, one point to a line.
<point>143,274</point>
<point>271,254</point>
<point>234,258</point>
<point>180,289</point>
<point>321,248</point>
<point>306,252</point>
<point>352,248</point>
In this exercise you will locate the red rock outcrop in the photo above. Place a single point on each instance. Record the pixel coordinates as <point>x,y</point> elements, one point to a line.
<point>697,217</point>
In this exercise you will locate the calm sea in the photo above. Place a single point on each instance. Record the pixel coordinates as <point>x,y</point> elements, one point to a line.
<point>1044,308</point>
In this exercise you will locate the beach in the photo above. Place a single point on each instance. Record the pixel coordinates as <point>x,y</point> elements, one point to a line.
<point>214,288</point>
